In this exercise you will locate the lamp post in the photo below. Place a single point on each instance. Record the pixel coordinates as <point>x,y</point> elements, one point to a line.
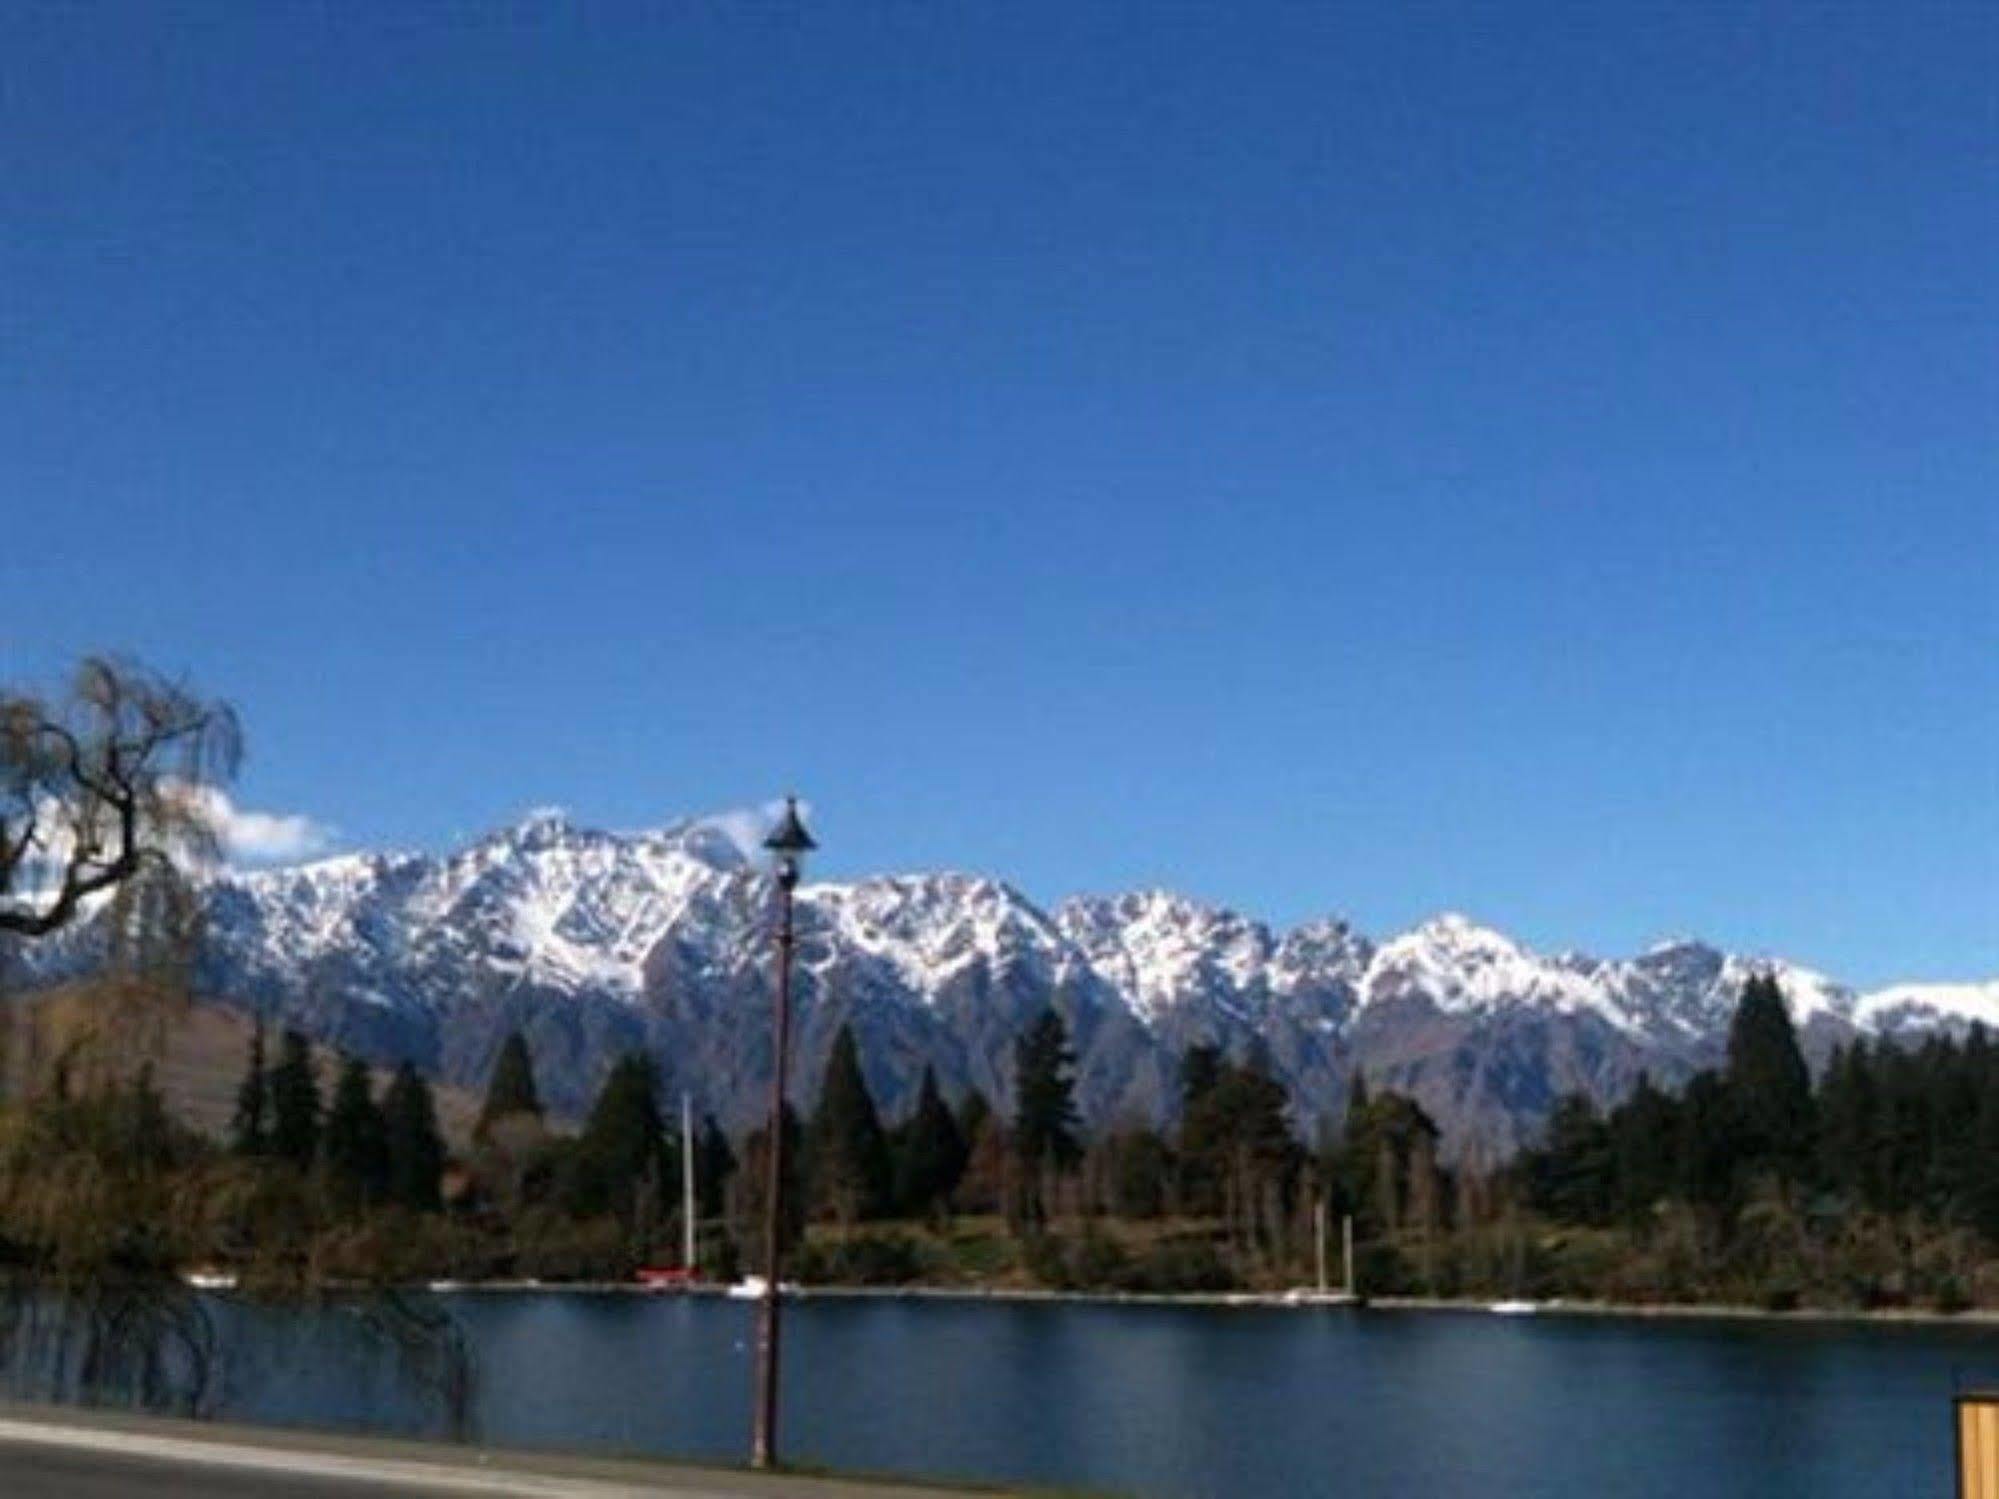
<point>788,844</point>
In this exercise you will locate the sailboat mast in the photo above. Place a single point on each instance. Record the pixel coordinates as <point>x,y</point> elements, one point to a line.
<point>1319,1224</point>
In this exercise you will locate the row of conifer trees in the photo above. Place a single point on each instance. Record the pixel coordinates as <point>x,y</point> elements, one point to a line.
<point>1910,1135</point>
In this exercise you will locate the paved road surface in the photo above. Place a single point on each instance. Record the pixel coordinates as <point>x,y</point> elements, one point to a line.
<point>66,1473</point>
<point>47,1453</point>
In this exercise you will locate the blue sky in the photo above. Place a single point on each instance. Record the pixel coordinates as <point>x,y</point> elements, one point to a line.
<point>1534,460</point>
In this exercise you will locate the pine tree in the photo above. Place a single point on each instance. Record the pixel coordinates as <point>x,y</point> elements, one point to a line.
<point>356,1144</point>
<point>1984,1187</point>
<point>1641,1143</point>
<point>714,1164</point>
<point>974,1109</point>
<point>1570,1177</point>
<point>511,1090</point>
<point>415,1148</point>
<point>294,1103</point>
<point>1203,1128</point>
<point>1357,1100</point>
<point>1359,1159</point>
<point>1259,1155</point>
<point>619,1162</point>
<point>849,1153</point>
<point>1707,1146</point>
<point>931,1157</point>
<point>1769,1085</point>
<point>1045,1129</point>
<point>249,1130</point>
<point>1848,1118</point>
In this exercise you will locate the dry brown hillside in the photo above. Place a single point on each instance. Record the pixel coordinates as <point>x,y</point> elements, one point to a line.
<point>198,1052</point>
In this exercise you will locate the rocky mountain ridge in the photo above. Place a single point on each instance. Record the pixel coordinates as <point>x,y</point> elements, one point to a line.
<point>595,942</point>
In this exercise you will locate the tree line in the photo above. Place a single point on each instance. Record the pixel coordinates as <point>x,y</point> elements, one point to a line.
<point>1876,1183</point>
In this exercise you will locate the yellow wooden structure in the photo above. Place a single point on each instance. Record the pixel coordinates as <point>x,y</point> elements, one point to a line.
<point>1978,1445</point>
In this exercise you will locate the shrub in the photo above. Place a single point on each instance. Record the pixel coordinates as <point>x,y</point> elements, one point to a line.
<point>861,1260</point>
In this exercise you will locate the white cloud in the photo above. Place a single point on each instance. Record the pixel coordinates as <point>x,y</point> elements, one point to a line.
<point>250,836</point>
<point>747,827</point>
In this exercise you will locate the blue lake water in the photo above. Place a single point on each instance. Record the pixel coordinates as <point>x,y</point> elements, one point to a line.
<point>1185,1403</point>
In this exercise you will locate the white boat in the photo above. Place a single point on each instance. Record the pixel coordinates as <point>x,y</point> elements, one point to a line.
<point>751,1288</point>
<point>210,1280</point>
<point>1513,1308</point>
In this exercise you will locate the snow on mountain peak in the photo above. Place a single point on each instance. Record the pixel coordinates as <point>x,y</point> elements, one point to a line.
<point>1461,967</point>
<point>1902,1007</point>
<point>927,927</point>
<point>1162,952</point>
<point>570,910</point>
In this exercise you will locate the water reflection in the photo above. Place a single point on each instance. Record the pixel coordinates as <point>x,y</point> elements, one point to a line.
<point>1180,1403</point>
<point>151,1346</point>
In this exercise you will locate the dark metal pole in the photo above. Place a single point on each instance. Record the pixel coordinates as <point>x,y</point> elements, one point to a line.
<point>763,1440</point>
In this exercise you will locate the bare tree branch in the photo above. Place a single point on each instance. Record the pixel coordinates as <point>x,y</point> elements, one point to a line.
<point>95,786</point>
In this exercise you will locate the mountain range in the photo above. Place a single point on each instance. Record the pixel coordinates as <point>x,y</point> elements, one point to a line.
<point>594,943</point>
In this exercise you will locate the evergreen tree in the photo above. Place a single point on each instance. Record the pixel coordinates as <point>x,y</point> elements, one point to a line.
<point>850,1166</point>
<point>1256,1155</point>
<point>1134,1169</point>
<point>1641,1147</point>
<point>932,1153</point>
<point>356,1143</point>
<point>249,1130</point>
<point>511,1090</point>
<point>1203,1128</point>
<point>619,1164</point>
<point>1570,1176</point>
<point>1045,1128</point>
<point>1769,1085</point>
<point>974,1109</point>
<point>1707,1147</point>
<point>1358,1158</point>
<point>415,1148</point>
<point>1983,1192</point>
<point>1848,1121</point>
<point>714,1165</point>
<point>1200,1071</point>
<point>294,1103</point>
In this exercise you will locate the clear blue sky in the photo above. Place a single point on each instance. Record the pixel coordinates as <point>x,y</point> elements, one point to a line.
<point>1537,460</point>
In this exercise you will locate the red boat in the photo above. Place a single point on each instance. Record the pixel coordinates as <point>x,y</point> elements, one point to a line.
<point>667,1277</point>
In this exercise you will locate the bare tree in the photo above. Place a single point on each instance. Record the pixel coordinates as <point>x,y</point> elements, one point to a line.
<point>118,774</point>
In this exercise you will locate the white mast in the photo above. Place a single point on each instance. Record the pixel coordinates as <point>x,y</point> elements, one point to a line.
<point>1319,1223</point>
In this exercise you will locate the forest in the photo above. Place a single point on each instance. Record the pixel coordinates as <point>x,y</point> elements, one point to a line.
<point>1753,1184</point>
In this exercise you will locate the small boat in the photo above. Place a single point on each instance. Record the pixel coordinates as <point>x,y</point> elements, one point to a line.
<point>1319,1296</point>
<point>751,1288</point>
<point>1513,1308</point>
<point>666,1277</point>
<point>210,1280</point>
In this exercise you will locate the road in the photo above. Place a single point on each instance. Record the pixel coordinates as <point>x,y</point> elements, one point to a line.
<point>56,1454</point>
<point>69,1473</point>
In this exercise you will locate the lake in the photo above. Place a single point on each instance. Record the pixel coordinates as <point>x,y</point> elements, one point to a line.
<point>1179,1402</point>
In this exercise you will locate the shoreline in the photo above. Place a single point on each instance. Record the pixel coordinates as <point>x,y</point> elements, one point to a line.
<point>1301,1299</point>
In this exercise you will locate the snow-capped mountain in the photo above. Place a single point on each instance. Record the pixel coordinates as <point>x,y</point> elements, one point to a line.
<point>595,943</point>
